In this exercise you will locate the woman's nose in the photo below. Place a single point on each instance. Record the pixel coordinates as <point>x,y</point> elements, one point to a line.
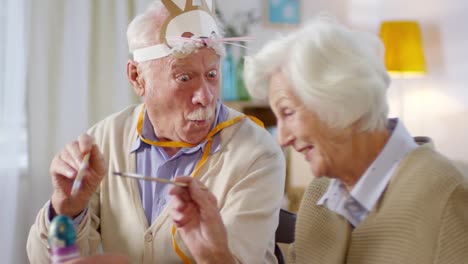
<point>285,137</point>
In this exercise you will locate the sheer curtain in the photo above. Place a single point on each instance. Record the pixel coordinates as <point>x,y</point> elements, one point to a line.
<point>13,153</point>
<point>62,68</point>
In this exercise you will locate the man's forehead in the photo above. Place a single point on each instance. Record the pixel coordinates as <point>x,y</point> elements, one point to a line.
<point>203,56</point>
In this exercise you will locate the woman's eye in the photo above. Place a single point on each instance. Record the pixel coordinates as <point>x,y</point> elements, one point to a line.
<point>183,78</point>
<point>287,112</point>
<point>212,74</point>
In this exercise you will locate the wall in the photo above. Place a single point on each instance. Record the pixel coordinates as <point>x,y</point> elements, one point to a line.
<point>435,105</point>
<point>263,32</point>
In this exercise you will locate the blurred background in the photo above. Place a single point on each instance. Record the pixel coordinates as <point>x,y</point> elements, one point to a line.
<point>62,68</point>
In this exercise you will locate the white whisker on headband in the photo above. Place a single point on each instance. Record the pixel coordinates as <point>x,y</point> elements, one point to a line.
<point>207,41</point>
<point>200,22</point>
<point>212,39</point>
<point>246,38</point>
<point>236,44</point>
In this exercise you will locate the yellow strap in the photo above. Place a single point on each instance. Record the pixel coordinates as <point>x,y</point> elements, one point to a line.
<point>202,161</point>
<point>158,143</point>
<point>179,252</point>
<point>179,144</point>
<point>203,158</point>
<point>256,120</point>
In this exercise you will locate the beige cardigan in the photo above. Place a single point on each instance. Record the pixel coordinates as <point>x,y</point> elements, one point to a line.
<point>422,217</point>
<point>246,175</point>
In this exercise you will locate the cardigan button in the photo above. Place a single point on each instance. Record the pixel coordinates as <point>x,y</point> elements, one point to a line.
<point>149,237</point>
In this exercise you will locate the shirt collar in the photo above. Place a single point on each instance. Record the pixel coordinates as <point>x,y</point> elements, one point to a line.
<point>147,131</point>
<point>333,187</point>
<point>375,179</point>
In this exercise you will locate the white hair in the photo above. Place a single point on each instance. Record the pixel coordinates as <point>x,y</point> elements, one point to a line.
<point>337,73</point>
<point>144,29</point>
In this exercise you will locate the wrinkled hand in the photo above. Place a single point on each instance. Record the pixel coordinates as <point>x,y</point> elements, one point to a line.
<point>195,214</point>
<point>101,259</point>
<point>64,168</point>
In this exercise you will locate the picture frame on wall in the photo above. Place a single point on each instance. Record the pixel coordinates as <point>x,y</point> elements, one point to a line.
<point>283,13</point>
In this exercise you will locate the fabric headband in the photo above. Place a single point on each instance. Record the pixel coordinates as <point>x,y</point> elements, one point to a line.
<point>184,18</point>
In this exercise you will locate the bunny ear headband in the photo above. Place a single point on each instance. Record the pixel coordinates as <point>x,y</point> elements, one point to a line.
<point>186,18</point>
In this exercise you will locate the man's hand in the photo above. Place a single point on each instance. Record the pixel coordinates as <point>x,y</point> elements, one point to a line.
<point>64,168</point>
<point>195,214</point>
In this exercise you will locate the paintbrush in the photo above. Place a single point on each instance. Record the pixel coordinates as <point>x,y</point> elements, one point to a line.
<point>79,176</point>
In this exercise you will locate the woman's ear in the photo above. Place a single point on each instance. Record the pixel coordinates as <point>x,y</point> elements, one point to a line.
<point>137,81</point>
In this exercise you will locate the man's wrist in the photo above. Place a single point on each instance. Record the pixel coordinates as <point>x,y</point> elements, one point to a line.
<point>52,213</point>
<point>228,258</point>
<point>76,220</point>
<point>63,206</point>
<point>224,257</point>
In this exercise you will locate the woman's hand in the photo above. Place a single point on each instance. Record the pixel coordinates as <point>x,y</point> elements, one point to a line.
<point>195,214</point>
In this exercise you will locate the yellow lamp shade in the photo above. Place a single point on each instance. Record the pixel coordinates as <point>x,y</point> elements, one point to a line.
<point>403,48</point>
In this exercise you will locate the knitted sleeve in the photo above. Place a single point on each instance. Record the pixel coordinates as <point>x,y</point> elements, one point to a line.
<point>452,244</point>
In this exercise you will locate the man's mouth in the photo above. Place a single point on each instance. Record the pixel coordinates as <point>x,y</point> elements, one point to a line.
<point>199,122</point>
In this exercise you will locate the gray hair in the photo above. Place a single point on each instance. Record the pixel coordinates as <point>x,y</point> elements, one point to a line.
<point>337,73</point>
<point>144,29</point>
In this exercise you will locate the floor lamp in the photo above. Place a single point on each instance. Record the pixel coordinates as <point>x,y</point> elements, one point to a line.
<point>404,56</point>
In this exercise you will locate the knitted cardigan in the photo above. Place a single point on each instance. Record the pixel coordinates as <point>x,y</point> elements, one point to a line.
<point>246,175</point>
<point>422,217</point>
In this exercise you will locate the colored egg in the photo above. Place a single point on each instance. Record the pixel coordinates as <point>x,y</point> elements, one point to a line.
<point>61,232</point>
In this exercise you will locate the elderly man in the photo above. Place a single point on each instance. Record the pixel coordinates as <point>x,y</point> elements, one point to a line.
<point>380,196</point>
<point>180,129</point>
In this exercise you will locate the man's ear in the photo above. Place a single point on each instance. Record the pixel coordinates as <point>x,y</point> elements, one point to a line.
<point>135,78</point>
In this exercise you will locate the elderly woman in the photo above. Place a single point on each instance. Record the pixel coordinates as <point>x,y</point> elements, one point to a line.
<point>379,196</point>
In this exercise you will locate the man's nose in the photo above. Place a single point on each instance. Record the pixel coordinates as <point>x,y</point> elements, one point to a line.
<point>204,95</point>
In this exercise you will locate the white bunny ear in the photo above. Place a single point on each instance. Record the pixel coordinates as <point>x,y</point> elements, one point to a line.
<point>180,3</point>
<point>209,3</point>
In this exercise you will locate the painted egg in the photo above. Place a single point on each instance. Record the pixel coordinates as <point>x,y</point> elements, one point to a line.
<point>61,232</point>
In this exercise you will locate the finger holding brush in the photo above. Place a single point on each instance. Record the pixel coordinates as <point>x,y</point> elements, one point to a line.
<point>76,173</point>
<point>79,176</point>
